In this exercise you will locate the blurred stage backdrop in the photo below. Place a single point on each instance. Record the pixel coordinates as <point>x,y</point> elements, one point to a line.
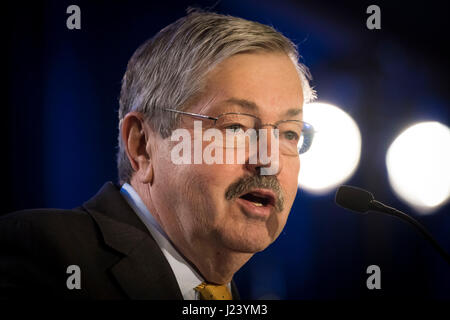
<point>60,131</point>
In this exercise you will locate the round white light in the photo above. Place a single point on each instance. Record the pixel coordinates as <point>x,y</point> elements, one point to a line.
<point>418,164</point>
<point>335,151</point>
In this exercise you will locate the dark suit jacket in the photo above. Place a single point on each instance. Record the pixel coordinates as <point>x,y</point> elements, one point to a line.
<point>117,256</point>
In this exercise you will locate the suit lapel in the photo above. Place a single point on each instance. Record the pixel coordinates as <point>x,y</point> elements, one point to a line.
<point>143,272</point>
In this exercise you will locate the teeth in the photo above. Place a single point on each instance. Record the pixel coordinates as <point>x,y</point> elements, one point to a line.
<point>257,204</point>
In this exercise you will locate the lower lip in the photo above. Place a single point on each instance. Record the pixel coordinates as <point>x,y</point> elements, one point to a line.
<point>253,211</point>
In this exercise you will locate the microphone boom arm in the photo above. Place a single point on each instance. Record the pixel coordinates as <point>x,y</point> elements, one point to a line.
<point>377,206</point>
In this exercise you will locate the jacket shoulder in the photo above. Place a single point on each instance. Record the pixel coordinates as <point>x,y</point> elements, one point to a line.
<point>27,229</point>
<point>42,214</point>
<point>37,245</point>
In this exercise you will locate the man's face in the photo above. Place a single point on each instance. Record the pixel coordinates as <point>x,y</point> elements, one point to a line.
<point>199,204</point>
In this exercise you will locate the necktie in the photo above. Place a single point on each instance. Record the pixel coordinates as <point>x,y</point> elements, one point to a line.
<point>210,291</point>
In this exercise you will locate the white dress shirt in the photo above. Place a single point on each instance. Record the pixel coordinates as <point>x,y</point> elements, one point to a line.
<point>186,275</point>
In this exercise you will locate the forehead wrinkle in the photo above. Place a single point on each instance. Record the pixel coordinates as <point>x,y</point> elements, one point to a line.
<point>243,103</point>
<point>214,109</point>
<point>293,112</point>
<point>252,106</point>
<point>208,104</point>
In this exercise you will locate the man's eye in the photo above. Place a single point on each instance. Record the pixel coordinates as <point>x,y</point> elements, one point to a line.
<point>291,135</point>
<point>235,127</point>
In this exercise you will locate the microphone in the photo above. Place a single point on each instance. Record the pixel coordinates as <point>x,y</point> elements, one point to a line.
<point>362,201</point>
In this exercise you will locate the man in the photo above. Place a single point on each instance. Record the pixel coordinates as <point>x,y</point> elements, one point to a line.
<point>177,230</point>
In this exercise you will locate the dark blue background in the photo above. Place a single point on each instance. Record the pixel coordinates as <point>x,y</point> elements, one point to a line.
<point>60,127</point>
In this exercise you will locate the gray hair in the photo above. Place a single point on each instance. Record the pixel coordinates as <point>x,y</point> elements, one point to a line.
<point>168,70</point>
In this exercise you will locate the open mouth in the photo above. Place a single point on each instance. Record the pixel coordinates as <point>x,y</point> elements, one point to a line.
<point>260,198</point>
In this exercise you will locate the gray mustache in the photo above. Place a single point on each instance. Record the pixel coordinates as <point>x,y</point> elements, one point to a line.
<point>244,185</point>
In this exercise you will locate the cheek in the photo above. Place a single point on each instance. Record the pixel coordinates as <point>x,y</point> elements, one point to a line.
<point>289,177</point>
<point>203,206</point>
<point>203,187</point>
<point>289,181</point>
<point>213,180</point>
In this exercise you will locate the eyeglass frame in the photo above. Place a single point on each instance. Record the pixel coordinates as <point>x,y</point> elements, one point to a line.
<point>308,138</point>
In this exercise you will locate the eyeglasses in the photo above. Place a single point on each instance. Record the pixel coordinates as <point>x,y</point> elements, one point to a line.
<point>295,136</point>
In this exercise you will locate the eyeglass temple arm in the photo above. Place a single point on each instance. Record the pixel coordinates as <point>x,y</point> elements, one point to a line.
<point>192,114</point>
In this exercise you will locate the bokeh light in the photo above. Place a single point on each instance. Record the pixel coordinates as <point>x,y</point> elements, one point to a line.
<point>418,164</point>
<point>335,152</point>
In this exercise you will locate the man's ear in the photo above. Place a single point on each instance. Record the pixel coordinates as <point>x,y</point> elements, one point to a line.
<point>136,142</point>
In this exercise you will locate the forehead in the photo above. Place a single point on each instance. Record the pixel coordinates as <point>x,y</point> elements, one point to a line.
<point>267,84</point>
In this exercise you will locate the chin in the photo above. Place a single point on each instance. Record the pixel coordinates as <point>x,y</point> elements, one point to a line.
<point>249,239</point>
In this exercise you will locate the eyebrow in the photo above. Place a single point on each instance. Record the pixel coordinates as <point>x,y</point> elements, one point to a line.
<point>252,106</point>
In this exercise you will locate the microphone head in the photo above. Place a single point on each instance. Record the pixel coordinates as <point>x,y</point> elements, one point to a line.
<point>353,198</point>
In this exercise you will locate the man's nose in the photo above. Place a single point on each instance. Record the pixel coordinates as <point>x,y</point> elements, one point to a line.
<point>266,153</point>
